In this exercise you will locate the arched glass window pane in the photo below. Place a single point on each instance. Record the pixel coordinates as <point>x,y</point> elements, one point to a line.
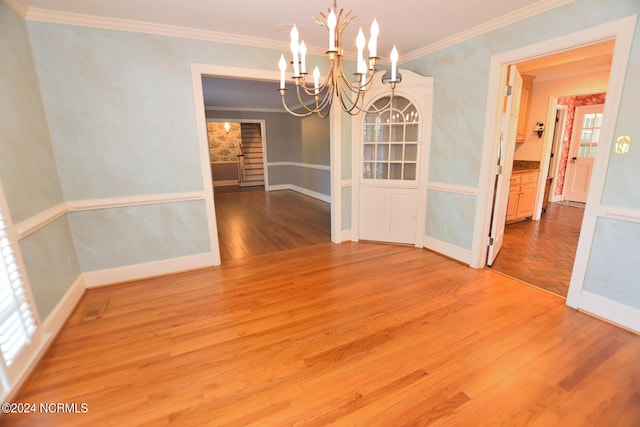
<point>391,136</point>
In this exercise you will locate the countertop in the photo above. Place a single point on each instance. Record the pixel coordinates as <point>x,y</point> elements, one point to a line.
<point>525,166</point>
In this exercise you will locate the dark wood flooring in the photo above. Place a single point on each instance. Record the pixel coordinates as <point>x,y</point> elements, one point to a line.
<point>542,252</point>
<point>254,222</point>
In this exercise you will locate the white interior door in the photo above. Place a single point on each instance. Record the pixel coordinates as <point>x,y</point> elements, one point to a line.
<point>584,143</point>
<point>505,162</point>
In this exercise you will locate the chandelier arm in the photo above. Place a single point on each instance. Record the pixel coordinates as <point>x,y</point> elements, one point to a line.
<point>326,99</point>
<point>357,87</point>
<point>301,101</point>
<point>343,101</point>
<point>357,105</point>
<point>326,110</point>
<point>370,75</point>
<point>319,107</point>
<point>311,91</point>
<point>284,104</point>
<point>324,92</point>
<point>328,88</point>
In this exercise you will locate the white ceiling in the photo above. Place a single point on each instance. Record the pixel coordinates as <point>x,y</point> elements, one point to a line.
<point>409,24</point>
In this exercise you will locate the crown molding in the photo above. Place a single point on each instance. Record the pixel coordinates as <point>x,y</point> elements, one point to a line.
<point>487,27</point>
<point>82,20</point>
<point>18,6</point>
<point>92,21</point>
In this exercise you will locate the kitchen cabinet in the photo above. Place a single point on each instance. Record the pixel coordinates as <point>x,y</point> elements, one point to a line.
<point>525,104</point>
<point>522,195</point>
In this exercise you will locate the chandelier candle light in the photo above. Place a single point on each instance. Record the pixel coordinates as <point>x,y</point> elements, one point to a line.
<point>351,95</point>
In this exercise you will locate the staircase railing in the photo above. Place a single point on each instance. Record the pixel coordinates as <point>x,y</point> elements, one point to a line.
<point>240,157</point>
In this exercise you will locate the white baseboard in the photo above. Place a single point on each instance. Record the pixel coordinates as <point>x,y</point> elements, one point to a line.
<point>447,249</point>
<point>612,311</point>
<point>110,276</point>
<point>301,190</point>
<point>59,315</point>
<point>251,183</point>
<point>345,236</point>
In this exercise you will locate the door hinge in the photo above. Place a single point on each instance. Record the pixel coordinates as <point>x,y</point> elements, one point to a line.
<point>498,169</point>
<point>509,88</point>
<point>490,241</point>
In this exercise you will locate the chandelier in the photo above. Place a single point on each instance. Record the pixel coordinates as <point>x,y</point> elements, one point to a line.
<point>316,97</point>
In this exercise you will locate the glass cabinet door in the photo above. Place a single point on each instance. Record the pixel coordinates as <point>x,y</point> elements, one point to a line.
<point>390,140</point>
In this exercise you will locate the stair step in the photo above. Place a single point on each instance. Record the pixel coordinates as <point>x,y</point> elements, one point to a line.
<point>253,154</point>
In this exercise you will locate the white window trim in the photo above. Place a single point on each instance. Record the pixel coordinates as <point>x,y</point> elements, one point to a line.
<point>11,373</point>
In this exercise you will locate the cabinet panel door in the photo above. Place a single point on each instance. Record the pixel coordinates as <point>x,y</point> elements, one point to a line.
<point>525,202</point>
<point>512,206</point>
<point>388,214</point>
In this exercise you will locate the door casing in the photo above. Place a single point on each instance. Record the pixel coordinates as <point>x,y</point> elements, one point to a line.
<point>622,31</point>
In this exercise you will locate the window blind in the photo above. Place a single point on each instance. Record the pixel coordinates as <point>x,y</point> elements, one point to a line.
<point>17,322</point>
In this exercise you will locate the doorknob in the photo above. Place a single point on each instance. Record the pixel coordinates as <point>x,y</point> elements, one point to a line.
<point>573,159</point>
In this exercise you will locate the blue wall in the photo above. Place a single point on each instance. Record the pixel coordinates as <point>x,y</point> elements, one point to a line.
<point>462,79</point>
<point>28,168</point>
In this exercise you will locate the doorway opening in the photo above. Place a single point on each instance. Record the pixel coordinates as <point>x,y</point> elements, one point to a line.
<point>539,245</point>
<point>236,152</point>
<point>542,252</point>
<point>620,32</point>
<point>261,201</point>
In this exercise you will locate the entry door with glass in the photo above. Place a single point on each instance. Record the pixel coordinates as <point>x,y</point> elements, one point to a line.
<point>582,152</point>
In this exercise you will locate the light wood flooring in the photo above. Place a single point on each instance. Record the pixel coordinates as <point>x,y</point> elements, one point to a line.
<point>357,334</point>
<point>254,222</point>
<point>542,252</point>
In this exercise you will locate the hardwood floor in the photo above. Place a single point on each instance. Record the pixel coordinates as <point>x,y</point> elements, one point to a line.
<point>542,252</point>
<point>254,222</point>
<point>353,334</point>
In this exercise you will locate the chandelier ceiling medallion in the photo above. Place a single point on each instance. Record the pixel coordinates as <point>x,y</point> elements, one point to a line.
<point>316,97</point>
